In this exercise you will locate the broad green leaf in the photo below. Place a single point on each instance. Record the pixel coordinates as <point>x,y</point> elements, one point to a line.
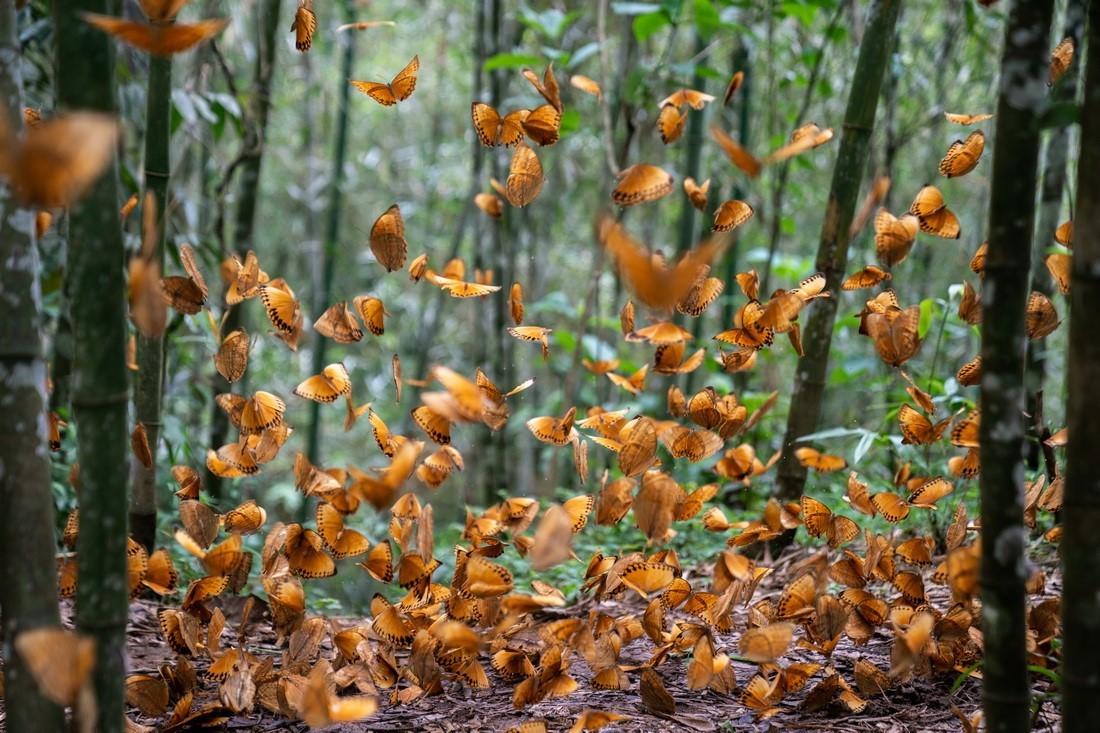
<point>707,21</point>
<point>511,61</point>
<point>650,23</point>
<point>864,445</point>
<point>570,121</point>
<point>803,13</point>
<point>927,313</point>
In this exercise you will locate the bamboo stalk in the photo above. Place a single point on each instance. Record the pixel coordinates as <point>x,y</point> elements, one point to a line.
<point>1050,209</point>
<point>28,594</point>
<point>1022,97</point>
<point>149,381</point>
<point>832,252</point>
<point>332,227</point>
<point>100,389</point>
<point>1081,544</point>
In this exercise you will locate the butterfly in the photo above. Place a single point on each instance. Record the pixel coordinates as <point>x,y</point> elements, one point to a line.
<point>868,277</point>
<point>645,577</point>
<point>917,429</point>
<point>963,155</point>
<point>159,39</point>
<point>654,281</point>
<point>387,239</point>
<point>964,119</point>
<point>1060,59</point>
<point>640,183</point>
<point>669,359</point>
<point>244,279</point>
<point>634,383</point>
<point>320,707</point>
<point>1041,317</point>
<point>554,430</point>
<point>338,324</point>
<point>187,294</point>
<point>548,87</point>
<point>54,162</point>
<point>586,85</point>
<point>535,334</point>
<point>341,541</point>
<point>304,25</point>
<point>933,215</point>
<point>804,138</point>
<point>697,192</point>
<point>894,332</point>
<point>515,303</point>
<point>818,461</point>
<point>765,644</point>
<point>730,215</point>
<point>246,518</point>
<point>694,445</point>
<point>820,520</point>
<point>283,310</point>
<point>231,358</point>
<point>372,310</point>
<point>399,89</point>
<point>1060,266</point>
<point>894,236</point>
<point>524,177</point>
<point>970,305</point>
<point>60,662</point>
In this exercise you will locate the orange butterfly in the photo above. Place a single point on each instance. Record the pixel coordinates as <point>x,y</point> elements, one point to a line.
<point>338,324</point>
<point>54,162</point>
<point>304,25</point>
<point>187,294</point>
<point>1060,59</point>
<point>933,215</point>
<point>819,520</point>
<point>818,461</point>
<point>524,177</point>
<point>964,119</point>
<point>917,429</point>
<point>331,383</point>
<point>159,39</point>
<point>963,155</point>
<point>640,183</point>
<point>894,236</point>
<point>730,215</point>
<point>398,90</point>
<point>697,192</point>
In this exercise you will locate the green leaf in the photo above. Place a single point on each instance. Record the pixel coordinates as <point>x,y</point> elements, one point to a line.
<point>831,433</point>
<point>511,61</point>
<point>583,53</point>
<point>1060,114</point>
<point>864,445</point>
<point>551,23</point>
<point>927,313</point>
<point>570,121</point>
<point>707,21</point>
<point>804,14</point>
<point>634,8</point>
<point>650,23</point>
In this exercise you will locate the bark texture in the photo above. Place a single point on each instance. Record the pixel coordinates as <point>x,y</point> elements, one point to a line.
<point>1081,516</point>
<point>28,595</point>
<point>100,389</point>
<point>1021,99</point>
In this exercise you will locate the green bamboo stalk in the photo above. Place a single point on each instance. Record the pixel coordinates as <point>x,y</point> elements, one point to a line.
<point>100,389</point>
<point>1022,97</point>
<point>832,252</point>
<point>251,161</point>
<point>1081,543</point>
<point>149,380</point>
<point>1050,211</point>
<point>693,154</point>
<point>332,227</point>
<point>28,594</point>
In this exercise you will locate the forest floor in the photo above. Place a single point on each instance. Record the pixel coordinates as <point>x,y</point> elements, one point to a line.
<point>919,705</point>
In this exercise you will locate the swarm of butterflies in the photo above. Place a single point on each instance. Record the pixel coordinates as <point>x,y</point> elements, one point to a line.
<point>478,629</point>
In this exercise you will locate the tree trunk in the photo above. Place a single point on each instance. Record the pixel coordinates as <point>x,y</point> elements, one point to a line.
<point>332,227</point>
<point>1023,95</point>
<point>1050,209</point>
<point>28,595</point>
<point>1081,542</point>
<point>267,27</point>
<point>744,107</point>
<point>100,389</point>
<point>149,380</point>
<point>832,252</point>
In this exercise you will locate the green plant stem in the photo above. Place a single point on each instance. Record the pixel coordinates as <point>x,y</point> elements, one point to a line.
<point>149,381</point>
